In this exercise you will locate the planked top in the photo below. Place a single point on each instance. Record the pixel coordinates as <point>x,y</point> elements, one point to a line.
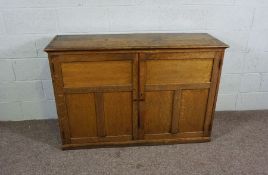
<point>133,41</point>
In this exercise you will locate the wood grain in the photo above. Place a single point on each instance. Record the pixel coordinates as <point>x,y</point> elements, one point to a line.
<point>179,71</point>
<point>88,74</point>
<point>111,88</point>
<point>158,112</point>
<point>99,105</point>
<point>141,96</point>
<point>192,110</point>
<point>175,111</point>
<point>135,96</point>
<point>178,55</point>
<point>82,115</point>
<point>147,142</point>
<point>133,41</point>
<point>212,99</point>
<point>161,87</point>
<point>118,113</point>
<point>174,136</point>
<point>60,99</point>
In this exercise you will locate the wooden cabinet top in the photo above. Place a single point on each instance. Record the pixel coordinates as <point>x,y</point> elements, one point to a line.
<point>133,41</point>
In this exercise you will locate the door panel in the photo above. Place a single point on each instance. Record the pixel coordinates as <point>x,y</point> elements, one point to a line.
<point>118,113</point>
<point>98,90</point>
<point>181,71</point>
<point>82,115</point>
<point>98,73</point>
<point>174,94</point>
<point>158,111</point>
<point>193,107</point>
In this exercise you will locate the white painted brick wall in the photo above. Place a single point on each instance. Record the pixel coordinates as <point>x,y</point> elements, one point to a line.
<point>264,82</point>
<point>256,61</point>
<point>39,3</point>
<point>258,40</point>
<point>260,19</point>
<point>40,43</point>
<point>226,102</point>
<point>83,20</point>
<point>250,82</point>
<point>233,62</point>
<point>89,3</point>
<point>31,69</point>
<point>229,17</point>
<point>254,3</point>
<point>128,18</point>
<point>38,109</point>
<point>38,21</point>
<point>252,101</point>
<point>237,40</point>
<point>1,23</point>
<point>26,26</point>
<point>230,83</point>
<point>17,46</point>
<point>21,90</point>
<point>7,73</point>
<point>11,111</point>
<point>48,89</point>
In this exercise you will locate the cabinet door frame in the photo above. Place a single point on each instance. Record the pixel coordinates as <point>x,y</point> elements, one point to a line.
<point>56,60</point>
<point>212,87</point>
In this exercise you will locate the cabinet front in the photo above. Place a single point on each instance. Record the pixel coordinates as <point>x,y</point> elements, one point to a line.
<point>176,92</point>
<point>98,92</point>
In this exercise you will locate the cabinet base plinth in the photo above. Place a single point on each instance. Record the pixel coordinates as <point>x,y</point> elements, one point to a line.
<point>136,143</point>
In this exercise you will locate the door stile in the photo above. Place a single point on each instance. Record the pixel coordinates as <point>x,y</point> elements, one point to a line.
<point>135,97</point>
<point>175,112</point>
<point>142,78</point>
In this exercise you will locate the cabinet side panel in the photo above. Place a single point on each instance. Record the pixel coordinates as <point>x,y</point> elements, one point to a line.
<point>215,80</point>
<point>56,76</point>
<point>193,110</point>
<point>118,113</point>
<point>82,115</point>
<point>158,112</point>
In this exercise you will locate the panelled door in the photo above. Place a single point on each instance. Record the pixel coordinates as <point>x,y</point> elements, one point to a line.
<point>97,96</point>
<point>176,100</point>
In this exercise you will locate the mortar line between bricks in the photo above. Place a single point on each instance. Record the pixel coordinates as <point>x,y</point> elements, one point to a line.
<point>13,71</point>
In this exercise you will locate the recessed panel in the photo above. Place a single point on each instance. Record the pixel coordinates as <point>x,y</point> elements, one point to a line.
<point>158,112</point>
<point>118,113</point>
<point>193,110</point>
<point>95,74</point>
<point>180,71</point>
<point>82,115</point>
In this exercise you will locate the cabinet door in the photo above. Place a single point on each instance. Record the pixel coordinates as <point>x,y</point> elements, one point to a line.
<point>175,89</point>
<point>95,96</point>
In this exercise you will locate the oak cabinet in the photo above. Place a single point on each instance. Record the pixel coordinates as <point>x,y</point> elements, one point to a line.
<point>135,89</point>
